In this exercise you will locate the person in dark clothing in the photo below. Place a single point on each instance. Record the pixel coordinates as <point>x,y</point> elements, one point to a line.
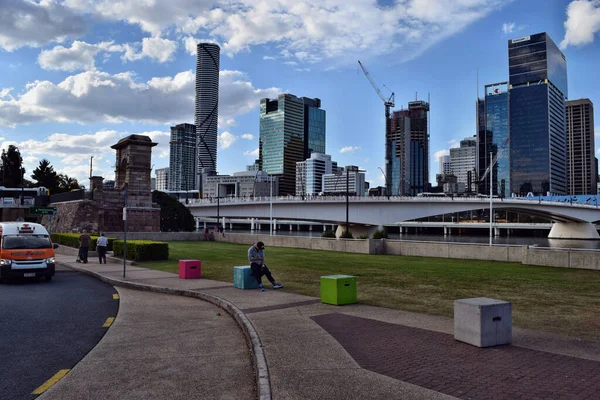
<point>256,256</point>
<point>84,246</point>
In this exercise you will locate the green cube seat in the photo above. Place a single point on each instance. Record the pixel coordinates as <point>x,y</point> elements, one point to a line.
<point>338,289</point>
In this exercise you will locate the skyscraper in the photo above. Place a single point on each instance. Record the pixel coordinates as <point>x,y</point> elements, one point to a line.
<point>492,134</point>
<point>537,115</point>
<point>290,128</point>
<point>207,108</point>
<point>314,127</point>
<point>581,163</point>
<point>408,143</point>
<point>445,166</point>
<point>182,158</point>
<point>462,163</point>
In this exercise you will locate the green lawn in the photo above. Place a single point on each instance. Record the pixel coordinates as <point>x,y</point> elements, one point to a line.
<point>559,300</point>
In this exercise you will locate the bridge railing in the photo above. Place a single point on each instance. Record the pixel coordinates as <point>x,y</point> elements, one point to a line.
<point>376,199</point>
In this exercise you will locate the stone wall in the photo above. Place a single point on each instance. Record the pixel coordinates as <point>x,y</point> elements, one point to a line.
<point>74,216</point>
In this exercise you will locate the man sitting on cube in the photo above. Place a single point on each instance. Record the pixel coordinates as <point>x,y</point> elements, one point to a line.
<point>256,256</point>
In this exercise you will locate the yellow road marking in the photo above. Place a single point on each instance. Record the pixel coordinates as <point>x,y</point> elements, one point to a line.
<point>51,382</point>
<point>115,296</point>
<point>108,322</point>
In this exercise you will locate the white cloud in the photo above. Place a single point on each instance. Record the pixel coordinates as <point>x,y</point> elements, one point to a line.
<point>310,30</point>
<point>191,44</point>
<point>155,48</point>
<point>508,27</point>
<point>583,21</point>
<point>253,153</point>
<point>32,23</point>
<point>80,56</point>
<point>269,58</point>
<point>95,96</point>
<point>349,149</point>
<point>226,139</point>
<point>440,153</point>
<point>74,152</point>
<point>247,136</point>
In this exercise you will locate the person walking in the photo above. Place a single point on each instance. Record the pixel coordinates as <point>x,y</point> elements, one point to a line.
<point>101,245</point>
<point>84,246</point>
<point>256,256</point>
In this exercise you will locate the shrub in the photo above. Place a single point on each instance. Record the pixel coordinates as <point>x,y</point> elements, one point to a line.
<point>347,235</point>
<point>142,250</point>
<point>380,234</point>
<point>363,236</point>
<point>329,234</point>
<point>72,240</point>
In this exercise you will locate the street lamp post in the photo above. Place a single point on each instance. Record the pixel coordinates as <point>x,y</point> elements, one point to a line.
<point>491,194</point>
<point>271,206</point>
<point>125,231</point>
<point>385,177</point>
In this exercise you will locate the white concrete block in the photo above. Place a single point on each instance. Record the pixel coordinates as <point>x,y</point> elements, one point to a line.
<point>483,322</point>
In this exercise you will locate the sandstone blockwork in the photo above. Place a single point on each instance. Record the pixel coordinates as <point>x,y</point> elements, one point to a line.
<point>102,210</point>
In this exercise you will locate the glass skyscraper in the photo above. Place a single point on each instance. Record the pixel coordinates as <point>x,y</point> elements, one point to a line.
<point>314,127</point>
<point>281,142</point>
<point>493,133</point>
<point>291,129</point>
<point>537,112</point>
<point>182,158</point>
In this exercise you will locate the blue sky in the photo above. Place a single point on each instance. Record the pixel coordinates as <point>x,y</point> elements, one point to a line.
<point>77,75</point>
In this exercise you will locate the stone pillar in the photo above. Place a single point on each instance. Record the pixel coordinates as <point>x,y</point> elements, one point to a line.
<point>310,228</point>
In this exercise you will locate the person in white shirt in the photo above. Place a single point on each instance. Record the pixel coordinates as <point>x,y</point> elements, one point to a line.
<point>101,245</point>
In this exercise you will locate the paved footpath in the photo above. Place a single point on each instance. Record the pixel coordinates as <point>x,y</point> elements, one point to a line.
<point>319,351</point>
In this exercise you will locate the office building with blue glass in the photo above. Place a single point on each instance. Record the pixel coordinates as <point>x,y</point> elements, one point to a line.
<point>537,116</point>
<point>290,128</point>
<point>493,133</point>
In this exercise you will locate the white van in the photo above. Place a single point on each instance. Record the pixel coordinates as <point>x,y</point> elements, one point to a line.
<point>26,251</point>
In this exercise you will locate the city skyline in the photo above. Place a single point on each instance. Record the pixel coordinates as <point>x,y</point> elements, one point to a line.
<point>68,99</point>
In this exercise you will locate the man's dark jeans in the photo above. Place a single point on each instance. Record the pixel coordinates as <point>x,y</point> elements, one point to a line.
<point>258,271</point>
<point>101,253</point>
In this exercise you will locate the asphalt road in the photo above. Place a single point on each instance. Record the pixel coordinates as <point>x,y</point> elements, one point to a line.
<point>46,327</point>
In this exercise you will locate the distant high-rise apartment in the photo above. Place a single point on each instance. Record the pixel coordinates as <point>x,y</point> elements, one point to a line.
<point>207,108</point>
<point>492,134</point>
<point>314,127</point>
<point>581,161</point>
<point>182,158</point>
<point>281,142</point>
<point>309,173</point>
<point>537,116</point>
<point>408,144</point>
<point>162,179</point>
<point>445,166</point>
<point>463,163</point>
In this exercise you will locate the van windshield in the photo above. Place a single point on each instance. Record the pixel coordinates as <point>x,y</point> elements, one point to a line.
<point>26,242</point>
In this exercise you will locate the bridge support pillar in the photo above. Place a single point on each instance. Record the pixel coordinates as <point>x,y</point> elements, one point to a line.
<point>251,224</point>
<point>204,224</point>
<point>445,231</point>
<point>275,225</point>
<point>230,226</point>
<point>310,228</point>
<point>496,231</point>
<point>290,227</point>
<point>573,230</point>
<point>197,223</point>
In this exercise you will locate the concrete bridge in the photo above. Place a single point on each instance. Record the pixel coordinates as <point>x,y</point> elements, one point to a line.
<point>365,214</point>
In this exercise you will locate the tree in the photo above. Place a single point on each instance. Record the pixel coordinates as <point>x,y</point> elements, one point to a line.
<point>66,184</point>
<point>174,216</point>
<point>12,167</point>
<point>44,175</point>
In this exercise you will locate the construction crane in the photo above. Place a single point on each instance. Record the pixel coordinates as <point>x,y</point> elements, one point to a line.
<point>389,103</point>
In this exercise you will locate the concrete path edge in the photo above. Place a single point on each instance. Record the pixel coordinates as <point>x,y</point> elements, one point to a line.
<point>263,381</point>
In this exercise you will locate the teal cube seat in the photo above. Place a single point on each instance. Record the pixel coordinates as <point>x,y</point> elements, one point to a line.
<point>243,279</point>
<point>338,289</point>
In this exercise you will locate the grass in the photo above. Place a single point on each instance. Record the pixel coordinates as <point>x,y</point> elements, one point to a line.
<point>557,300</point>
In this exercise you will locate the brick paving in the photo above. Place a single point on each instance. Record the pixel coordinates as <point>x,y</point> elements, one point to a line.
<point>436,361</point>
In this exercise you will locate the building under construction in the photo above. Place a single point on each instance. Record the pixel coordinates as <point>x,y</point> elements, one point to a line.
<point>407,143</point>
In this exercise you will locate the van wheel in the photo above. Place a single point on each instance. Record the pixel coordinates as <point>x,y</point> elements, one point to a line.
<point>48,278</point>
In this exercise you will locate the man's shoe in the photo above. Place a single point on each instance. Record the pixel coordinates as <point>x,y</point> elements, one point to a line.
<point>277,286</point>
<point>261,287</point>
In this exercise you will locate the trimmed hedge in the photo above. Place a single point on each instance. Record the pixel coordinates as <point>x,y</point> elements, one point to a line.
<point>142,250</point>
<point>72,240</point>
